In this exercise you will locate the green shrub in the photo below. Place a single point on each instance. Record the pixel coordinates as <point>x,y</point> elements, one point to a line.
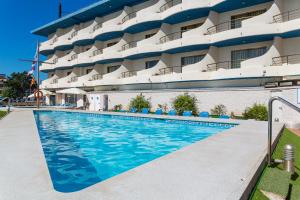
<point>118,107</point>
<point>185,102</point>
<point>257,111</point>
<point>139,102</point>
<point>219,110</point>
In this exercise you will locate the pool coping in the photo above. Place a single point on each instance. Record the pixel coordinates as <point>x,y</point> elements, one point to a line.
<point>153,180</point>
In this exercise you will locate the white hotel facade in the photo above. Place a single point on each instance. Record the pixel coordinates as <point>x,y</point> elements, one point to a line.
<point>234,52</point>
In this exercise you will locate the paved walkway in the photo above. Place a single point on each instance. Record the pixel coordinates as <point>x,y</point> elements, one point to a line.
<point>220,167</point>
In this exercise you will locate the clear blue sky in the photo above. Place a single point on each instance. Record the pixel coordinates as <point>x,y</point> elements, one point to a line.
<point>18,19</point>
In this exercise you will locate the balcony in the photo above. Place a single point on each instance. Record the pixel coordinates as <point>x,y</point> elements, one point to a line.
<point>73,79</point>
<point>97,52</point>
<point>129,45</point>
<point>287,16</point>
<point>128,74</point>
<point>73,34</point>
<point>129,17</point>
<point>170,70</point>
<point>96,77</point>
<point>169,4</point>
<point>233,64</point>
<point>171,37</point>
<point>286,60</point>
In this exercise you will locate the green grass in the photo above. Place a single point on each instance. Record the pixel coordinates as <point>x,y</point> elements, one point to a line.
<point>286,138</point>
<point>2,114</point>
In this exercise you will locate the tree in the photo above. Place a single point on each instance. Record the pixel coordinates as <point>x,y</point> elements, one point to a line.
<point>17,84</point>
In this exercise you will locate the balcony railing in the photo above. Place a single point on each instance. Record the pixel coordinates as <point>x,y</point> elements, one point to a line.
<point>96,27</point>
<point>233,64</point>
<point>74,79</point>
<point>129,17</point>
<point>96,77</point>
<point>54,40</point>
<point>74,34</point>
<point>225,26</point>
<point>287,59</point>
<point>97,52</point>
<point>128,74</point>
<point>171,37</point>
<point>170,70</point>
<point>73,57</point>
<point>129,45</point>
<point>54,81</point>
<point>169,4</point>
<point>287,16</point>
<point>55,60</point>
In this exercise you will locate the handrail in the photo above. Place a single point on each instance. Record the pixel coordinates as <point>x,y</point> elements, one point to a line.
<point>172,36</point>
<point>74,79</point>
<point>129,74</point>
<point>287,59</point>
<point>73,57</point>
<point>287,16</point>
<point>129,45</point>
<point>97,77</point>
<point>73,34</point>
<point>169,4</point>
<point>96,27</point>
<point>55,81</point>
<point>232,64</point>
<point>129,16</point>
<point>170,70</point>
<point>97,52</point>
<point>224,26</point>
<point>270,122</point>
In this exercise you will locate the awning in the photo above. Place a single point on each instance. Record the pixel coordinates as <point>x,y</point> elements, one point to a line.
<point>71,91</point>
<point>45,92</point>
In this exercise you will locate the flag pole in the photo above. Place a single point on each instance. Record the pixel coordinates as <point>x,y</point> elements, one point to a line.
<point>38,75</point>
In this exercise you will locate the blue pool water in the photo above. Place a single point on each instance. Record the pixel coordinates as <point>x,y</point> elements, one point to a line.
<point>83,149</point>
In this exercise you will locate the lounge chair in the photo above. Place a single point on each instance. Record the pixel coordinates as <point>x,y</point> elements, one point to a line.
<point>159,112</point>
<point>224,117</point>
<point>172,112</point>
<point>204,114</point>
<point>187,113</point>
<point>145,110</point>
<point>133,110</point>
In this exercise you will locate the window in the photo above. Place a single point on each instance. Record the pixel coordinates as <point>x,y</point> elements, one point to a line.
<point>236,20</point>
<point>111,44</point>
<point>150,64</point>
<point>149,35</point>
<point>191,60</point>
<point>190,27</point>
<point>240,55</point>
<point>89,71</point>
<point>112,68</point>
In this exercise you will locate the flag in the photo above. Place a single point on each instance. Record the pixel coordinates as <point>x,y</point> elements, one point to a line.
<point>34,62</point>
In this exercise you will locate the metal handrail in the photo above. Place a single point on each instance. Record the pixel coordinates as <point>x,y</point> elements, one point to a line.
<point>73,34</point>
<point>287,59</point>
<point>74,79</point>
<point>97,77</point>
<point>128,17</point>
<point>129,45</point>
<point>73,57</point>
<point>169,4</point>
<point>97,52</point>
<point>225,65</point>
<point>170,70</point>
<point>171,37</point>
<point>224,26</point>
<point>96,27</point>
<point>128,74</point>
<point>54,81</point>
<point>287,16</point>
<point>270,122</point>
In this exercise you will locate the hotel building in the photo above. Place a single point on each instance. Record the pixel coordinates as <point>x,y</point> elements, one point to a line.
<point>115,49</point>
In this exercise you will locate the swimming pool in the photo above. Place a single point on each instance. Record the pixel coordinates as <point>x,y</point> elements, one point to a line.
<point>83,149</point>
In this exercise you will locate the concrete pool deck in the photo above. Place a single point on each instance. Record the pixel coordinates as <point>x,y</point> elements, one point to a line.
<point>219,167</point>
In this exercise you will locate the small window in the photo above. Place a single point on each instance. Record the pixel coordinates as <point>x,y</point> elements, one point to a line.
<point>149,35</point>
<point>150,64</point>
<point>191,60</point>
<point>112,68</point>
<point>111,44</point>
<point>190,27</point>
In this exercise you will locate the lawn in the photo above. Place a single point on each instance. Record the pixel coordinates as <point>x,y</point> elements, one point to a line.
<point>2,114</point>
<point>287,138</point>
